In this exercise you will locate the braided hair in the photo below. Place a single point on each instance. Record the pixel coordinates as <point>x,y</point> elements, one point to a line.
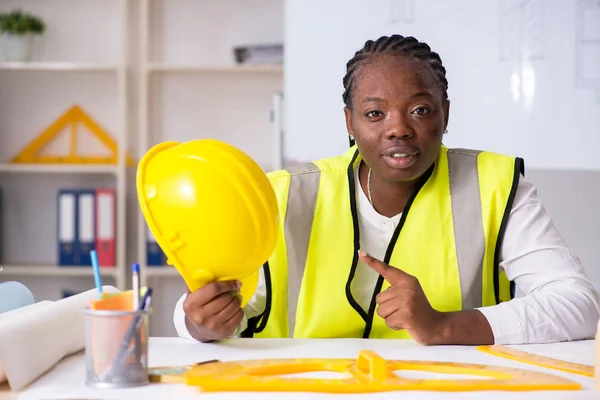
<point>395,45</point>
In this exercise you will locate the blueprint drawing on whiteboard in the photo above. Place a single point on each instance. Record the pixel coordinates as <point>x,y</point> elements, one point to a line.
<point>587,46</point>
<point>521,30</point>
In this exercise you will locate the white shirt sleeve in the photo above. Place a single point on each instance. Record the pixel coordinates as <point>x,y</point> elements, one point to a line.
<point>254,308</point>
<point>554,300</point>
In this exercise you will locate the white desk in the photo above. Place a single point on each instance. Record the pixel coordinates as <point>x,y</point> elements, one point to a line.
<point>65,381</point>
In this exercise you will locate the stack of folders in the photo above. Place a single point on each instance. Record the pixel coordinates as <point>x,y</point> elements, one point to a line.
<point>86,222</point>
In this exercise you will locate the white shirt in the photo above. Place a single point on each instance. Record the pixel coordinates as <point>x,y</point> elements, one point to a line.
<point>554,300</point>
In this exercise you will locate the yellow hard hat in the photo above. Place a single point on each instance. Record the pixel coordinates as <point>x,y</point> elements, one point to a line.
<point>211,209</point>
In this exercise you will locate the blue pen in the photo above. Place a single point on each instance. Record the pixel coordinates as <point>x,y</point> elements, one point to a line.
<point>96,269</point>
<point>135,284</point>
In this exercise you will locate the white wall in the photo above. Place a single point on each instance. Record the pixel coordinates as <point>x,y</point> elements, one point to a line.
<point>485,46</point>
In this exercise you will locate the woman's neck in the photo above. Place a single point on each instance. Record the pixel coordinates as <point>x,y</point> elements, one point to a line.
<point>388,198</point>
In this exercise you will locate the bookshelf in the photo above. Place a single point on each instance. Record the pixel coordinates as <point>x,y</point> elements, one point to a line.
<point>75,65</point>
<point>190,87</point>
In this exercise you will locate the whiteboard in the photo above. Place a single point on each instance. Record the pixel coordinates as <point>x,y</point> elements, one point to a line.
<point>524,75</point>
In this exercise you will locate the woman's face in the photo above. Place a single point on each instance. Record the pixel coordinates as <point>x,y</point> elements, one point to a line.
<point>397,116</point>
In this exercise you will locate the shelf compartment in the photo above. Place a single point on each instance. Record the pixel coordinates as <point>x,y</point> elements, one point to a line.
<point>230,69</point>
<point>53,270</point>
<point>60,168</point>
<point>57,67</point>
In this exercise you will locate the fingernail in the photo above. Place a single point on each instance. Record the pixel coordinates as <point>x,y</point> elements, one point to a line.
<point>362,253</point>
<point>238,284</point>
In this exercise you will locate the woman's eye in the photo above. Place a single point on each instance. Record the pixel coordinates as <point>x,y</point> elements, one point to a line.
<point>373,114</point>
<point>421,110</point>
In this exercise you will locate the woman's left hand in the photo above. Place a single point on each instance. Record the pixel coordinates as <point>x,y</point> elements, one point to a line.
<point>404,305</point>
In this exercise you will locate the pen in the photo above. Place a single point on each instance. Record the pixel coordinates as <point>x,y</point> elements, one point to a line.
<point>131,332</point>
<point>135,282</point>
<point>96,269</point>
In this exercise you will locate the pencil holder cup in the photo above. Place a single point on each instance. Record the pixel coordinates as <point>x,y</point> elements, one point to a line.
<point>116,348</point>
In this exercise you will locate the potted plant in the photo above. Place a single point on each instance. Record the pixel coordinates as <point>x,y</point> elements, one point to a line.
<point>17,29</point>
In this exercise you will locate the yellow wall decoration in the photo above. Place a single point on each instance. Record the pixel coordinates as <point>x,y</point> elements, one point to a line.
<point>70,119</point>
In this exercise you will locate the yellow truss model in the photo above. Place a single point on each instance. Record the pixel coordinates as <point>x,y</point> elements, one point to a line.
<point>71,118</point>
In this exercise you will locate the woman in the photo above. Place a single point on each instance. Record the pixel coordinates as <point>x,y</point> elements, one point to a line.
<point>402,237</point>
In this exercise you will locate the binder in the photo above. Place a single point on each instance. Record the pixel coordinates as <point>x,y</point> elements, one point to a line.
<point>86,232</point>
<point>67,227</point>
<point>155,256</point>
<point>68,293</point>
<point>106,227</point>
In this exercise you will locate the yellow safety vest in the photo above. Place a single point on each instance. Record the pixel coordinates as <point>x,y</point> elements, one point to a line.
<point>449,236</point>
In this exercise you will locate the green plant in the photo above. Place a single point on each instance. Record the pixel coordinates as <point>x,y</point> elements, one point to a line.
<point>18,22</point>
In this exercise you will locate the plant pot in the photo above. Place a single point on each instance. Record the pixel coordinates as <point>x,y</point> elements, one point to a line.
<point>16,47</point>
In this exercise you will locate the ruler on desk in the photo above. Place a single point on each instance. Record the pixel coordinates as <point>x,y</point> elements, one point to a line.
<point>534,359</point>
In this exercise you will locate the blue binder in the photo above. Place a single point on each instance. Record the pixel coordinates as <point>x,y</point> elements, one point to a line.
<point>68,293</point>
<point>155,256</point>
<point>67,227</point>
<point>86,230</point>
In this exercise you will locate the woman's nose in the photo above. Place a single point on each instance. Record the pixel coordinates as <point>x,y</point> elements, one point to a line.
<point>398,127</point>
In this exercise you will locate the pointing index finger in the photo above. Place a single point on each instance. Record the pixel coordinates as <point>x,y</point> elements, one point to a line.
<point>391,274</point>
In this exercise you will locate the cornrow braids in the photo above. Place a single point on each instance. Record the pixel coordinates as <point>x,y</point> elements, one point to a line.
<point>395,44</point>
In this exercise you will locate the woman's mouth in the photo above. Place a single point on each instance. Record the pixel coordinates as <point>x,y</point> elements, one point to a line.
<point>400,157</point>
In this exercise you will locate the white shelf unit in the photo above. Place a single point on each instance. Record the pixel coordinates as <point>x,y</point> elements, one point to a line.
<point>37,274</point>
<point>58,66</point>
<point>235,69</point>
<point>60,168</point>
<point>195,69</point>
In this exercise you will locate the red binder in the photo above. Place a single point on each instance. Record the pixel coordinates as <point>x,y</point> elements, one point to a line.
<point>106,227</point>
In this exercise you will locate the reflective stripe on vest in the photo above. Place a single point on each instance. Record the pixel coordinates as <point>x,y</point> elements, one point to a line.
<point>468,224</point>
<point>466,213</point>
<point>302,200</point>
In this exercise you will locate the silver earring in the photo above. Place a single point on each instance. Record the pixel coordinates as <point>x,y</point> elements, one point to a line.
<point>446,131</point>
<point>351,137</point>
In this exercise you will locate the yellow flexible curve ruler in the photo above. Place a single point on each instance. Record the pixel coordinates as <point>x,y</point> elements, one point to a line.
<point>367,374</point>
<point>534,359</point>
<point>70,119</point>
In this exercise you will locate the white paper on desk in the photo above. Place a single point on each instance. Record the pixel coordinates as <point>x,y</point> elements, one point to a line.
<point>12,313</point>
<point>35,338</point>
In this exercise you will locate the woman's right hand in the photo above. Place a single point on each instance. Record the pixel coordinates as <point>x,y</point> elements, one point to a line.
<point>214,311</point>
